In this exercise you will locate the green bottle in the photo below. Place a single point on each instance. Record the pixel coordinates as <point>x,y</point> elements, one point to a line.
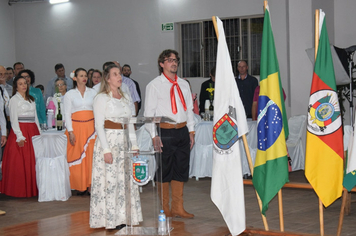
<point>59,118</point>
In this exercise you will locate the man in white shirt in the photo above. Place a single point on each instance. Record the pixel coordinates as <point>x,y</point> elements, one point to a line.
<point>5,96</point>
<point>4,103</point>
<point>126,71</point>
<point>132,87</point>
<point>2,121</point>
<point>170,96</point>
<point>60,73</point>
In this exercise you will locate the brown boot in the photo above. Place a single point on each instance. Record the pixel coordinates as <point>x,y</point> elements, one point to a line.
<point>164,188</point>
<point>2,212</point>
<point>177,200</point>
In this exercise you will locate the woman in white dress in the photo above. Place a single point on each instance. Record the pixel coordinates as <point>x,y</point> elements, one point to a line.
<point>110,177</point>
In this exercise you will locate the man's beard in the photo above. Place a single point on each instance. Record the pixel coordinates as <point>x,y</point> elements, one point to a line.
<point>174,70</point>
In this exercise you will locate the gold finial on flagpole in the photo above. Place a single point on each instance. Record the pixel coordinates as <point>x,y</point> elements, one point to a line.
<point>316,43</point>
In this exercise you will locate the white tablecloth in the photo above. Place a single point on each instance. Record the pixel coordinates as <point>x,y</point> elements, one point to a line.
<point>201,155</point>
<point>252,145</point>
<point>52,171</point>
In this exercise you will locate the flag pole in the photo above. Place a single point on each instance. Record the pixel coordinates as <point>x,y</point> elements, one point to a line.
<point>245,145</point>
<point>249,160</point>
<point>280,199</point>
<point>216,27</point>
<point>316,30</point>
<point>345,195</point>
<point>280,207</point>
<point>342,211</point>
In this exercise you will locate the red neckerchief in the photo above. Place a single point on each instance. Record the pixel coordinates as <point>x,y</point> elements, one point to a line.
<point>173,98</point>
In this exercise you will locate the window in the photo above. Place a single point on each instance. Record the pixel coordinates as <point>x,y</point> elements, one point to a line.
<point>199,45</point>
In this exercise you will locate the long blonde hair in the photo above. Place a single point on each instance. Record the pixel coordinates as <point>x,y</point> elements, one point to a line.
<point>104,86</point>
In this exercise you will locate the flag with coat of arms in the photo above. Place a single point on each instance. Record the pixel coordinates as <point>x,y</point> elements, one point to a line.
<point>324,146</point>
<point>230,123</point>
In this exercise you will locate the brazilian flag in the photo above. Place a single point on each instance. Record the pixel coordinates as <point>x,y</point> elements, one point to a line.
<point>271,164</point>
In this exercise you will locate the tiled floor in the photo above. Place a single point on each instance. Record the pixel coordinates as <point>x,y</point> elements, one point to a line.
<point>301,212</point>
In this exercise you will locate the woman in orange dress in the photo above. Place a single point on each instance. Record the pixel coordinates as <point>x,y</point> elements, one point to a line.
<point>80,131</point>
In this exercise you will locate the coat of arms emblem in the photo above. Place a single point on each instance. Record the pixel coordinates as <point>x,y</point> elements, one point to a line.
<point>225,133</point>
<point>140,170</point>
<point>324,116</point>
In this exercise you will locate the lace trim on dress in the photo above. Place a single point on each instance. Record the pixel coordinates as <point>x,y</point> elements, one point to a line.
<point>83,155</point>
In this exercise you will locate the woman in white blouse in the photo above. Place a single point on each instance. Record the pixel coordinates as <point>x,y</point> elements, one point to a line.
<point>111,178</point>
<point>19,173</point>
<point>96,77</point>
<point>79,117</point>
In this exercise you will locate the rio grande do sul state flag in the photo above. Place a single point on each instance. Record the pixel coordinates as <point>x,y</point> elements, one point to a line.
<point>230,123</point>
<point>324,147</point>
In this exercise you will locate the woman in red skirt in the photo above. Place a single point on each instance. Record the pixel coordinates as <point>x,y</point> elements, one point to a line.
<point>18,166</point>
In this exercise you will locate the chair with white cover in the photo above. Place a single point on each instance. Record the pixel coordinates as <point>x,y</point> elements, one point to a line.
<point>52,171</point>
<point>348,146</point>
<point>201,155</point>
<point>296,141</point>
<point>197,119</point>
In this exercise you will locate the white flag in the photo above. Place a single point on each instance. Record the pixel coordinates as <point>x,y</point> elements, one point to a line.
<point>351,160</point>
<point>229,124</point>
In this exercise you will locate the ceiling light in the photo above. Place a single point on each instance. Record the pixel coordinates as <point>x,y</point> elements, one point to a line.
<point>57,1</point>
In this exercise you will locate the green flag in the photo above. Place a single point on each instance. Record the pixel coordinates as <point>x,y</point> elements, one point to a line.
<point>350,178</point>
<point>271,164</point>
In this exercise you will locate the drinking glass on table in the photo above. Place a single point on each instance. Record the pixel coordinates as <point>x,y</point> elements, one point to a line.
<point>43,127</point>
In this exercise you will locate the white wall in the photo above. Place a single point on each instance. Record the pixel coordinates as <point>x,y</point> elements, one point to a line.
<point>7,35</point>
<point>86,33</point>
<point>345,33</point>
<point>301,69</point>
<point>279,13</point>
